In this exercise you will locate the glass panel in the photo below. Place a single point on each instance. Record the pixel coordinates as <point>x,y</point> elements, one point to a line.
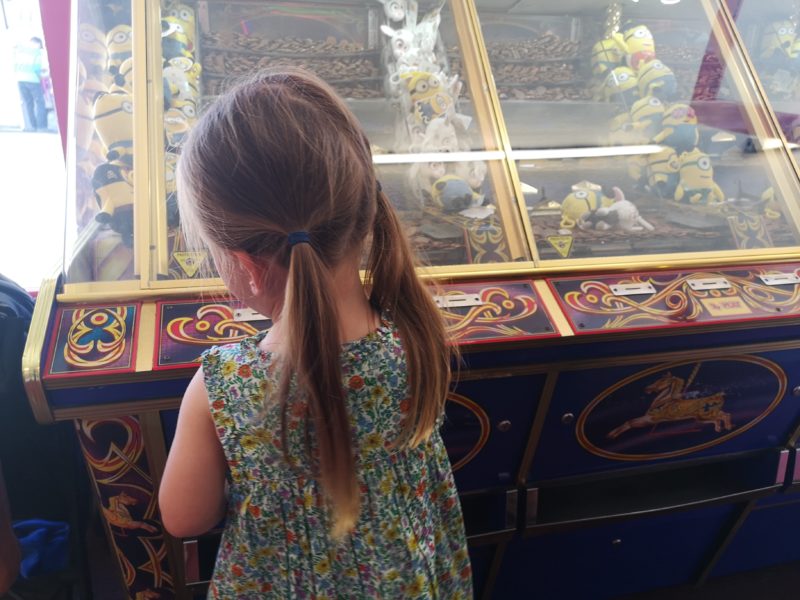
<point>406,78</point>
<point>769,31</point>
<point>99,228</point>
<point>635,130</point>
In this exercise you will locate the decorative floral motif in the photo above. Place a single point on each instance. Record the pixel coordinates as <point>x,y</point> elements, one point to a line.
<point>409,541</point>
<point>97,337</point>
<point>213,324</point>
<point>675,301</point>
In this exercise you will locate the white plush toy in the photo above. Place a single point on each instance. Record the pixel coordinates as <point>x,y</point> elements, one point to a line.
<point>622,214</point>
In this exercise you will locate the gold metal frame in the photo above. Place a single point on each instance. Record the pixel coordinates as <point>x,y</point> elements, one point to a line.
<point>472,52</point>
<point>502,129</point>
<point>35,348</point>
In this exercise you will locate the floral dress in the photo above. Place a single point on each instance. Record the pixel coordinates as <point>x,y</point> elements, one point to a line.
<point>409,540</point>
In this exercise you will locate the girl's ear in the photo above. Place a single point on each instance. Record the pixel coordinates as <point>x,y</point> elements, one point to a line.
<point>255,269</point>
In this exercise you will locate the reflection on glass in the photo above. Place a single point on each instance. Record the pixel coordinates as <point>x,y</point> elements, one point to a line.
<point>100,215</point>
<point>769,31</point>
<point>400,69</point>
<point>655,149</point>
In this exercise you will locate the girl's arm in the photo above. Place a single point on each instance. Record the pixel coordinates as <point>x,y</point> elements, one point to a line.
<point>192,494</point>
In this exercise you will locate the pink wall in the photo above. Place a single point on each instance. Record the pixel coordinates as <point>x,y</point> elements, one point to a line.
<point>55,25</point>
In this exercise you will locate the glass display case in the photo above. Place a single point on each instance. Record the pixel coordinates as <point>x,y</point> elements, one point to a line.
<point>510,135</point>
<point>635,131</point>
<point>768,31</point>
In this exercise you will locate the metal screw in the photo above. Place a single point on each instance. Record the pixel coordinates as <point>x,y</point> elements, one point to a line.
<point>796,391</point>
<point>504,425</point>
<point>567,418</point>
<point>616,542</point>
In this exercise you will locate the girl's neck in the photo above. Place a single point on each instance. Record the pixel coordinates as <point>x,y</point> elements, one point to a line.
<point>357,317</point>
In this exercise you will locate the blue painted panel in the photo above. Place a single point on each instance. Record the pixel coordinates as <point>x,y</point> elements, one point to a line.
<point>742,396</point>
<point>615,559</point>
<point>767,537</point>
<point>169,422</point>
<point>481,558</point>
<point>512,399</point>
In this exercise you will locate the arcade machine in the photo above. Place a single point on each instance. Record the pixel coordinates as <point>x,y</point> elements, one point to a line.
<point>604,190</point>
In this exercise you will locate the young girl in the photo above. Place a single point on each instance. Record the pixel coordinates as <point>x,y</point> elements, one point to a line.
<point>317,442</point>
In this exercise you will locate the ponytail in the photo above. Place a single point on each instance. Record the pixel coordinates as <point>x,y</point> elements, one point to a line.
<point>395,287</point>
<point>313,355</point>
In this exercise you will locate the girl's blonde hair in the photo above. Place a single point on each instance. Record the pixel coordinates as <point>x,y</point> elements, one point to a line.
<point>281,153</point>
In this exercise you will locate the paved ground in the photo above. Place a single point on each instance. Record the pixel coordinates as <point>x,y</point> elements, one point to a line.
<point>32,201</point>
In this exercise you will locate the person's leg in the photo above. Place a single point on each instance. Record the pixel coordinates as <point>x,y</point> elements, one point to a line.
<point>28,113</point>
<point>40,110</point>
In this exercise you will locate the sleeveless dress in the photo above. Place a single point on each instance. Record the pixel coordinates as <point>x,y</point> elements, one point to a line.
<point>409,540</point>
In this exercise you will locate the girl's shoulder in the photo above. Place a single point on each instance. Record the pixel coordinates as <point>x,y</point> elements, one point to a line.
<point>238,360</point>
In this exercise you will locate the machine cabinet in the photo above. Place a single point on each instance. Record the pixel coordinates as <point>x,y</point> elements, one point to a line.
<point>607,195</point>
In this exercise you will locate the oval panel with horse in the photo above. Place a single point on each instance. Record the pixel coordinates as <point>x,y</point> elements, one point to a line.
<point>679,408</point>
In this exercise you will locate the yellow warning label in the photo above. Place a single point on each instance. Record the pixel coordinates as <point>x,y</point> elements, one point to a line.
<point>562,244</point>
<point>190,262</point>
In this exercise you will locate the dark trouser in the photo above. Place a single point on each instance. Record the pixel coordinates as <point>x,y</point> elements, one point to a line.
<point>33,104</point>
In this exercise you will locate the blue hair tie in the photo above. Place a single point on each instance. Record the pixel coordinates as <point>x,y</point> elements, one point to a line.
<point>298,237</point>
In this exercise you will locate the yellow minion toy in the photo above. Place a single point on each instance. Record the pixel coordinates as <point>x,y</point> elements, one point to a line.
<point>621,85</point>
<point>585,197</point>
<point>113,121</point>
<point>174,39</point>
<point>184,15</point>
<point>93,54</point>
<point>647,115</point>
<point>657,79</point>
<point>777,40</point>
<point>114,194</point>
<point>638,44</point>
<point>606,56</point>
<point>679,128</point>
<point>182,75</point>
<point>429,99</point>
<point>178,120</point>
<point>123,79</point>
<point>697,185</point>
<point>119,42</point>
<point>663,170</point>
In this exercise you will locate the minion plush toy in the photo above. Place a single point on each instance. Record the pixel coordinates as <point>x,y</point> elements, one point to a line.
<point>776,42</point>
<point>429,99</point>
<point>181,75</point>
<point>123,79</point>
<point>697,185</point>
<point>584,198</point>
<point>656,79</point>
<point>119,43</point>
<point>114,194</point>
<point>647,115</point>
<point>453,194</point>
<point>178,120</point>
<point>183,14</point>
<point>621,85</point>
<point>113,121</point>
<point>637,43</point>
<point>663,170</point>
<point>93,55</point>
<point>606,56</point>
<point>174,39</point>
<point>679,128</point>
